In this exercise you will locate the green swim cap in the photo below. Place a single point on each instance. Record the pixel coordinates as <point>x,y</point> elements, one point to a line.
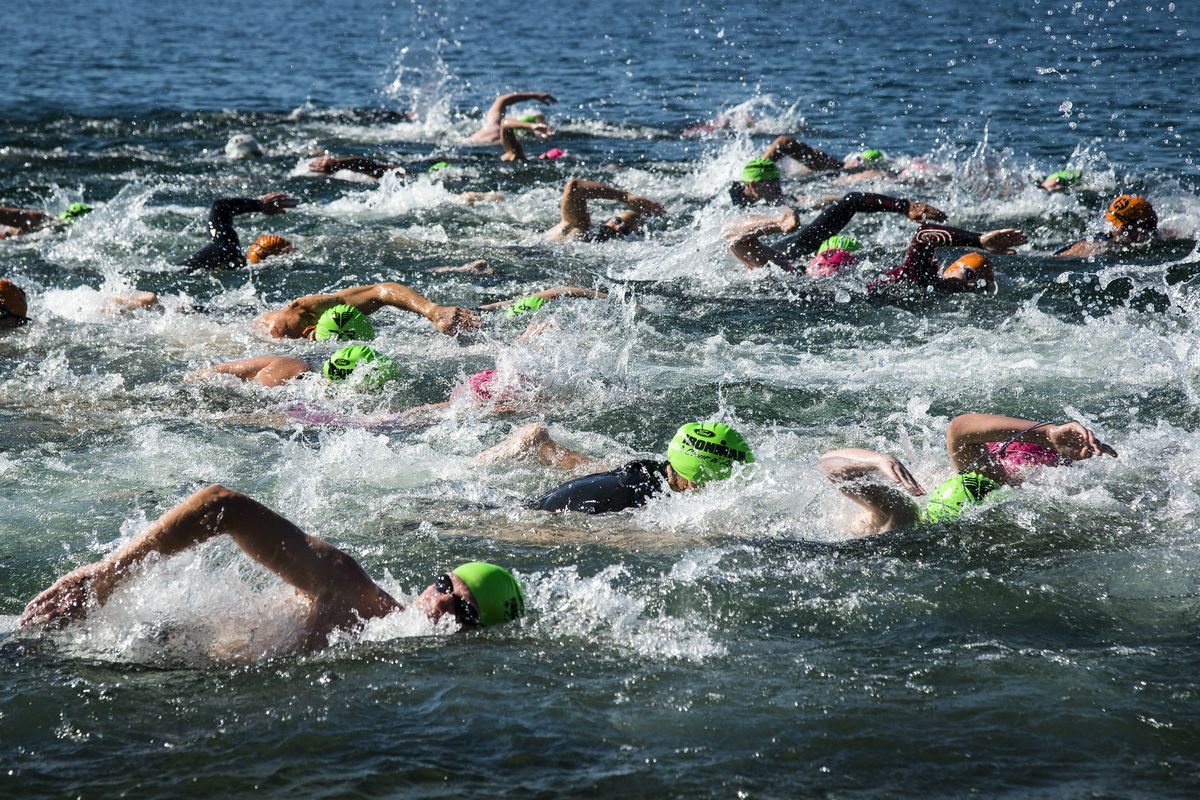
<point>497,593</point>
<point>439,165</point>
<point>705,451</point>
<point>531,117</point>
<point>525,305</point>
<point>871,154</point>
<point>1068,176</point>
<point>760,169</point>
<point>75,211</point>
<point>847,243</point>
<point>344,322</point>
<point>956,494</point>
<point>342,363</point>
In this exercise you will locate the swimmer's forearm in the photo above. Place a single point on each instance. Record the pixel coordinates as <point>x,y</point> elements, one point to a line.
<point>849,463</point>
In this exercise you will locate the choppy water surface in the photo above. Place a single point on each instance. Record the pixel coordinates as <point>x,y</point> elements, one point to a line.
<point>731,642</point>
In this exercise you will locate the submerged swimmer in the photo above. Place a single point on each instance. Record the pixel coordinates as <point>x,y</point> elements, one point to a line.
<point>1061,181</point>
<point>761,180</point>
<point>1132,220</point>
<point>576,223</point>
<point>987,451</point>
<point>340,594</point>
<point>276,370</point>
<point>224,249</point>
<point>700,452</point>
<point>490,131</point>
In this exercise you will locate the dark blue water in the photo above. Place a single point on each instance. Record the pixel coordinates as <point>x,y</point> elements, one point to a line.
<point>733,643</point>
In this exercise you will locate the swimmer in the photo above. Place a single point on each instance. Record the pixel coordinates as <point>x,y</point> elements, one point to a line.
<point>224,249</point>
<point>1061,181</point>
<point>13,306</point>
<point>513,151</point>
<point>327,165</point>
<point>864,165</point>
<point>317,316</point>
<point>340,594</point>
<point>576,222</point>
<point>275,370</point>
<point>760,179</point>
<point>490,131</point>
<point>700,452</point>
<point>987,451</point>
<point>242,145</point>
<point>1132,220</point>
<point>744,234</point>
<point>19,221</point>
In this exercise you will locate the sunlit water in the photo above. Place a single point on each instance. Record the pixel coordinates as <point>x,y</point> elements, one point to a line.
<point>731,642</point>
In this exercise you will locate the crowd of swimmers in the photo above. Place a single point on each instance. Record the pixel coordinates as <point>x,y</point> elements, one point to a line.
<point>987,452</point>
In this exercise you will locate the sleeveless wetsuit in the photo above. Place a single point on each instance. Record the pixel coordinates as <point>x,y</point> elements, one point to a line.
<point>920,268</point>
<point>223,251</point>
<point>625,487</point>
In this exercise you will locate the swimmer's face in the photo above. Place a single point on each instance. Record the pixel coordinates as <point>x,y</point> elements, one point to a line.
<point>1055,184</point>
<point>449,596</point>
<point>765,190</point>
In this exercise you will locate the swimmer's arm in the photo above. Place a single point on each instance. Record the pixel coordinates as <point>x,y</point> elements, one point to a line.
<point>314,567</point>
<point>513,151</point>
<point>501,104</point>
<point>328,165</point>
<point>886,507</point>
<point>550,294</point>
<point>372,297</point>
<point>806,154</point>
<point>1082,249</point>
<point>23,220</point>
<point>745,239</point>
<point>968,435</point>
<point>866,202</point>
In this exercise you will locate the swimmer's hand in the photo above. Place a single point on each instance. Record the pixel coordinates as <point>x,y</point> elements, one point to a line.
<point>539,129</point>
<point>789,220</point>
<point>644,206</point>
<point>324,165</point>
<point>69,597</point>
<point>277,202</point>
<point>894,469</point>
<point>1003,241</point>
<point>452,320</point>
<point>544,97</point>
<point>1074,441</point>
<point>853,463</point>
<point>923,212</point>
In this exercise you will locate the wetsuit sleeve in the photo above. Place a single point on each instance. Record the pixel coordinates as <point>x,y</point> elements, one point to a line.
<point>223,249</point>
<point>737,193</point>
<point>833,218</point>
<point>920,266</point>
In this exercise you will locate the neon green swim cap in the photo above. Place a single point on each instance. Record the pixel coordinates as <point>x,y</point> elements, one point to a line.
<point>871,154</point>
<point>1068,176</point>
<point>705,451</point>
<point>525,305</point>
<point>75,211</point>
<point>760,169</point>
<point>530,117</point>
<point>342,363</point>
<point>839,242</point>
<point>344,322</point>
<point>497,593</point>
<point>439,165</point>
<point>956,494</point>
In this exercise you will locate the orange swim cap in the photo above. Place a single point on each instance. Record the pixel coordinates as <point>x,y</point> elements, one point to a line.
<point>268,245</point>
<point>12,298</point>
<point>978,263</point>
<point>1129,210</point>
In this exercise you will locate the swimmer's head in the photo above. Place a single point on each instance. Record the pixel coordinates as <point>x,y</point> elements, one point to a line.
<point>1132,213</point>
<point>622,224</point>
<point>706,451</point>
<point>344,322</point>
<point>437,167</point>
<point>75,211</point>
<point>829,262</point>
<point>534,117</point>
<point>268,245</point>
<point>839,242</point>
<point>13,306</point>
<point>480,384</point>
<point>242,145</point>
<point>863,158</point>
<point>1061,181</point>
<point>973,269</point>
<point>553,154</point>
<point>341,364</point>
<point>526,305</point>
<point>760,169</point>
<point>497,595</point>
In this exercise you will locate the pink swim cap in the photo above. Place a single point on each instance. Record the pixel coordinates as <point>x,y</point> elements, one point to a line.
<point>553,152</point>
<point>1019,456</point>
<point>826,264</point>
<point>480,383</point>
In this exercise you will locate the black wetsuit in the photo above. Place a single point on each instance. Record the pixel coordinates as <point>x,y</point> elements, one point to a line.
<point>629,486</point>
<point>833,218</point>
<point>223,251</point>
